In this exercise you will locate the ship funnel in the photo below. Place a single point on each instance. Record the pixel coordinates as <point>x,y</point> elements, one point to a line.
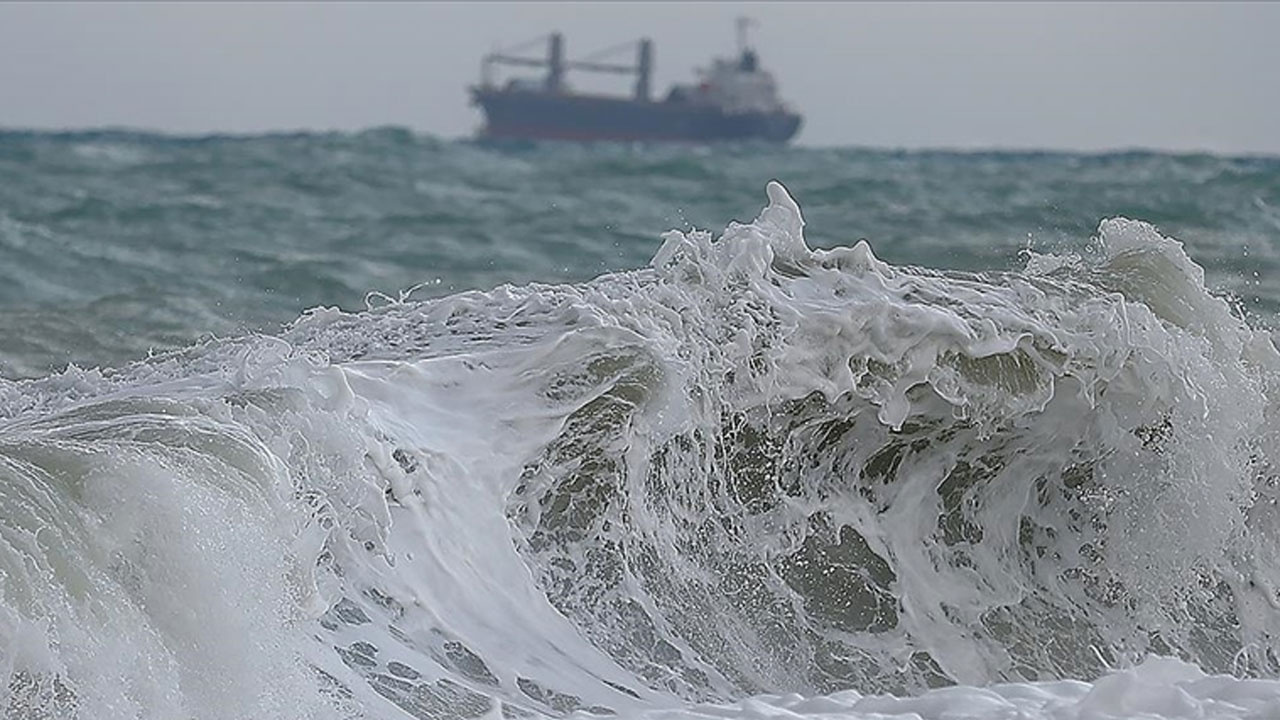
<point>644,69</point>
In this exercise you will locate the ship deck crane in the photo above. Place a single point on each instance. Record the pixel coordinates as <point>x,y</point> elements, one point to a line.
<point>557,66</point>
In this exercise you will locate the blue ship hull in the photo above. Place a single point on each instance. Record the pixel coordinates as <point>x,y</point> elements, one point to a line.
<point>523,114</point>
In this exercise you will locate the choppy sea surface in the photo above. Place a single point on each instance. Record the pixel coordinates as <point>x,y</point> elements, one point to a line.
<point>379,425</point>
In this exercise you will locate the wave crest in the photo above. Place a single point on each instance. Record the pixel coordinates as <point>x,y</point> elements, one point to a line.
<point>753,466</point>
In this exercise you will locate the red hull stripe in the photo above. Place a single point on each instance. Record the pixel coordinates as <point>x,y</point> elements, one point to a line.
<point>544,133</point>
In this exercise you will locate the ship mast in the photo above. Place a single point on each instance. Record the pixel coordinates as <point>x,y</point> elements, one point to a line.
<point>743,23</point>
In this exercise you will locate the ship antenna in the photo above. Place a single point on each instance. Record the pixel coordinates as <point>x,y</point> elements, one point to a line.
<point>743,23</point>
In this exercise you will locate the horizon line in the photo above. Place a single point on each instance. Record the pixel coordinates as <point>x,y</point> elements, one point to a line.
<point>977,149</point>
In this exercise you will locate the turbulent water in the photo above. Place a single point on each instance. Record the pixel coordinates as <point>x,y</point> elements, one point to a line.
<point>382,426</point>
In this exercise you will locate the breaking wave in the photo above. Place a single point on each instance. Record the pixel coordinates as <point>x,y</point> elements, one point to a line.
<point>750,468</point>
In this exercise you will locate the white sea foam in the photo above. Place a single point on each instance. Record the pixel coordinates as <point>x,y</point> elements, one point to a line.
<point>751,468</point>
<point>1163,688</point>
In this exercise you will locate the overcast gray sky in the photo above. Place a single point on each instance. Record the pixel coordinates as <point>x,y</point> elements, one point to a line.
<point>1086,76</point>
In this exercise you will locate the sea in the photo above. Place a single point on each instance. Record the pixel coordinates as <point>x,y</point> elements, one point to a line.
<point>383,425</point>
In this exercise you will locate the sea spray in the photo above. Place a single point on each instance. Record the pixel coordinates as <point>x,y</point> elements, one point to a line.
<point>891,478</point>
<point>750,468</point>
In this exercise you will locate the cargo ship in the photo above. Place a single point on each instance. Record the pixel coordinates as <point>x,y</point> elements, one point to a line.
<point>734,99</point>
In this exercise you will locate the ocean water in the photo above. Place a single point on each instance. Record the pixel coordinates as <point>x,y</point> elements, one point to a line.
<point>378,425</point>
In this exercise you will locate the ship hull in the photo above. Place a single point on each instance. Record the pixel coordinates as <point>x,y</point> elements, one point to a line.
<point>533,115</point>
